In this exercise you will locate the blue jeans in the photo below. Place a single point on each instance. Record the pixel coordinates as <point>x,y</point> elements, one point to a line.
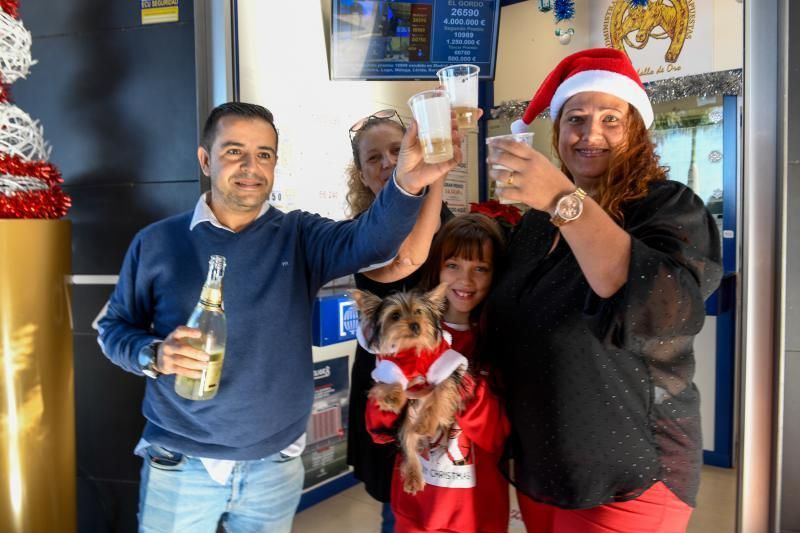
<point>177,494</point>
<point>387,525</point>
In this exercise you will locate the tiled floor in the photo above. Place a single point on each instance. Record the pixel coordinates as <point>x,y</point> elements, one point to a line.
<point>716,502</point>
<point>353,511</point>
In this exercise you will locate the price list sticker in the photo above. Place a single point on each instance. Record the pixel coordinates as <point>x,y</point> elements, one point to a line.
<point>467,25</point>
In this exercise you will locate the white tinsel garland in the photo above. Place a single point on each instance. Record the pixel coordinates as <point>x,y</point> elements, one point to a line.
<point>20,135</point>
<point>10,185</point>
<point>15,49</point>
<point>707,84</point>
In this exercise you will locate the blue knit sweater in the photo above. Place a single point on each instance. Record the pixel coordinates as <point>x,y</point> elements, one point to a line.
<point>275,266</point>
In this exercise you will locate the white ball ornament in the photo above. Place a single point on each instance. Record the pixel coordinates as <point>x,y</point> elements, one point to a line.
<point>21,136</point>
<point>15,49</point>
<point>565,36</point>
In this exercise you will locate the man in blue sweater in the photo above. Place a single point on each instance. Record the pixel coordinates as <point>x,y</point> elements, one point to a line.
<point>235,457</point>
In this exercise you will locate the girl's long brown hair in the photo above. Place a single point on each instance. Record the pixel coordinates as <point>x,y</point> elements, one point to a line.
<point>633,167</point>
<point>463,237</point>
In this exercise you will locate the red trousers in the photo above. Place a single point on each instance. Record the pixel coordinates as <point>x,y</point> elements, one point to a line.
<point>403,525</point>
<point>656,510</point>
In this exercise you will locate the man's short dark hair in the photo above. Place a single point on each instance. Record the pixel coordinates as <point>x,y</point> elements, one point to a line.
<point>234,109</point>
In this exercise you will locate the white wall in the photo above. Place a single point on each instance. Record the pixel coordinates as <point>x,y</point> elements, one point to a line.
<point>284,67</point>
<point>728,34</point>
<point>528,49</point>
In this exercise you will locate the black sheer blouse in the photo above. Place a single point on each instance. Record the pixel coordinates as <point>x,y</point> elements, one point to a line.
<point>600,392</point>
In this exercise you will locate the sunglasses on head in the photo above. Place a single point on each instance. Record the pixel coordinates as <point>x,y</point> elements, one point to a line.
<point>383,114</point>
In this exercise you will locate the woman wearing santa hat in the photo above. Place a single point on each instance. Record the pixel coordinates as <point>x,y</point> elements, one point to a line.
<point>593,322</point>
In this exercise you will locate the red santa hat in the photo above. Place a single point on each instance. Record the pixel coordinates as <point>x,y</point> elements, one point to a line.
<point>604,70</point>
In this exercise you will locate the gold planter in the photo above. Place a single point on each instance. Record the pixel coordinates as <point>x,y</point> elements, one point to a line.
<point>37,413</point>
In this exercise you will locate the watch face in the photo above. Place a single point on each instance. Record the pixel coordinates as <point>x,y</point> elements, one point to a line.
<point>145,356</point>
<point>569,207</point>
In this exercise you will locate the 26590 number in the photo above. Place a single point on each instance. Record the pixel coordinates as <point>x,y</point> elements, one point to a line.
<point>462,12</point>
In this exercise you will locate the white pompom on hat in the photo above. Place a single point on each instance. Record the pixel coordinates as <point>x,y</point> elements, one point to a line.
<point>603,70</point>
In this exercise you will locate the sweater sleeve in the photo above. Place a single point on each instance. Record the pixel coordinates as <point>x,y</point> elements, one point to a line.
<point>336,249</point>
<point>484,419</point>
<point>124,327</point>
<point>381,425</point>
<point>675,265</point>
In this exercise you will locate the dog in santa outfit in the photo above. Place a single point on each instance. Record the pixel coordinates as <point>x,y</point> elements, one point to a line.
<point>414,363</point>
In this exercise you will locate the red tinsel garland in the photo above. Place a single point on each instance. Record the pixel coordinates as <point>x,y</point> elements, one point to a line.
<point>15,166</point>
<point>11,7</point>
<point>50,203</point>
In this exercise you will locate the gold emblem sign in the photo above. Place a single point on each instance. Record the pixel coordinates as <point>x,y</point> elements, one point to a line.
<point>628,26</point>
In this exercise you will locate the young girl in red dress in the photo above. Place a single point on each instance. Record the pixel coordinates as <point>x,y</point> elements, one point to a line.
<point>464,490</point>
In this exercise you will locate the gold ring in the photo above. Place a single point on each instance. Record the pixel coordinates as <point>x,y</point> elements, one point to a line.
<point>510,180</point>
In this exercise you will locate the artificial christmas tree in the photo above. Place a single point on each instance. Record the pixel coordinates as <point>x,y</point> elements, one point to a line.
<point>29,185</point>
<point>37,419</point>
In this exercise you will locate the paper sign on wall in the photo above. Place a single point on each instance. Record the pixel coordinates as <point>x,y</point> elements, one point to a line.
<point>455,184</point>
<point>665,39</point>
<point>325,455</point>
<point>158,11</point>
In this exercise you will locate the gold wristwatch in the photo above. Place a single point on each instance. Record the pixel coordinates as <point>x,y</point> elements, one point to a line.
<point>569,207</point>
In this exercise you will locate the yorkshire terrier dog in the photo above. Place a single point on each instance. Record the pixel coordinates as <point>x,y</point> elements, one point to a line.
<point>415,366</point>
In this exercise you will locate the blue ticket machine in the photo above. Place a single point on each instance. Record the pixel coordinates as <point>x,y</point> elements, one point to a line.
<point>334,324</point>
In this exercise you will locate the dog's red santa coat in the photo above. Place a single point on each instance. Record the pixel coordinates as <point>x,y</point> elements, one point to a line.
<point>417,369</point>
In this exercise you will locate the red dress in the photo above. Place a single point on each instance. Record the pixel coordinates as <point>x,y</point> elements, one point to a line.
<point>464,490</point>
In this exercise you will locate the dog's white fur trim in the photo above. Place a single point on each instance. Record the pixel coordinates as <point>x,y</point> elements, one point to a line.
<point>388,372</point>
<point>445,365</point>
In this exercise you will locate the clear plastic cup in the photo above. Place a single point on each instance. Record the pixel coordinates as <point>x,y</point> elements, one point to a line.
<point>431,110</point>
<point>461,84</point>
<point>525,138</point>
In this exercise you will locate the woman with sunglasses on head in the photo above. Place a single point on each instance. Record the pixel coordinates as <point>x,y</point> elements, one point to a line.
<point>375,141</point>
<point>593,318</point>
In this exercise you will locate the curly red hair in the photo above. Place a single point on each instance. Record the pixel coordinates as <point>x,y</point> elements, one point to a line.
<point>634,166</point>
